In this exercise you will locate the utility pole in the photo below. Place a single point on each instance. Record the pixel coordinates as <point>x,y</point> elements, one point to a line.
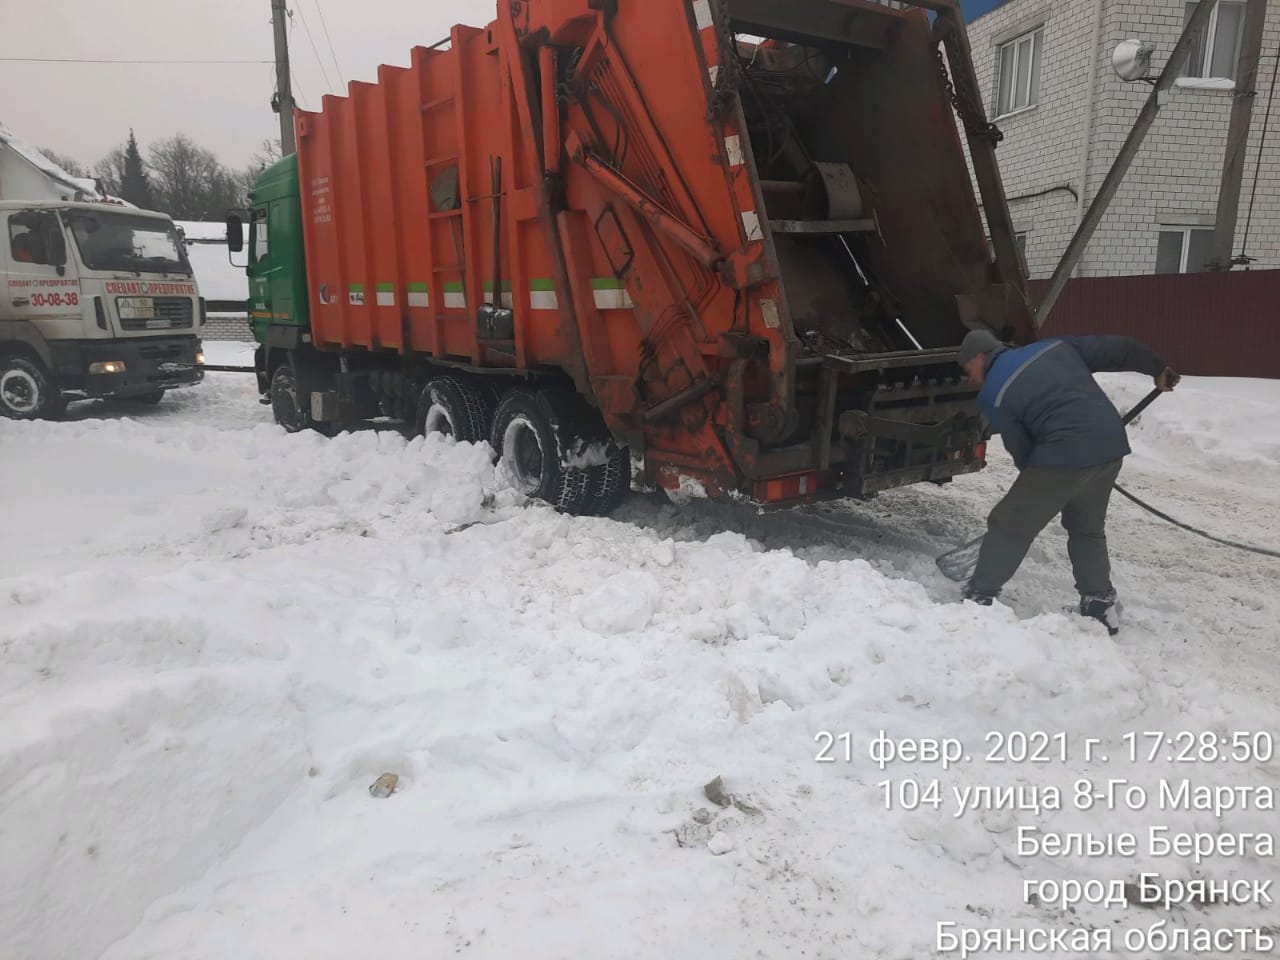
<point>1224,233</point>
<point>283,102</point>
<point>1195,28</point>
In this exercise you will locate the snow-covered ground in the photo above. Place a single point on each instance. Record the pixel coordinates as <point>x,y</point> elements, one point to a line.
<point>214,637</point>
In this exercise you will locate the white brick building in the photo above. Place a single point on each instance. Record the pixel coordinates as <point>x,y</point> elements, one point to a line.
<point>1065,114</point>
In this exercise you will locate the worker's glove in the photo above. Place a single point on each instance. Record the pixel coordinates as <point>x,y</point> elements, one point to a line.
<point>1168,379</point>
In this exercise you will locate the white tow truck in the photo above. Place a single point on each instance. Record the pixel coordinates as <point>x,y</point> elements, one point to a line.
<point>99,300</point>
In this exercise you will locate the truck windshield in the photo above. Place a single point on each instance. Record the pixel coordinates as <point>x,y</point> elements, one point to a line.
<point>118,241</point>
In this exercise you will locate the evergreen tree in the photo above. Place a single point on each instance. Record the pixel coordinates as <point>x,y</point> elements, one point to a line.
<point>134,184</point>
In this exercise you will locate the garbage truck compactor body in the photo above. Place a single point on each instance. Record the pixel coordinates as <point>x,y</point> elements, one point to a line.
<point>736,239</point>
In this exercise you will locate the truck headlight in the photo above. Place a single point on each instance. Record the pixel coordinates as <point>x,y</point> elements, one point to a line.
<point>199,358</point>
<point>107,366</point>
<point>136,308</point>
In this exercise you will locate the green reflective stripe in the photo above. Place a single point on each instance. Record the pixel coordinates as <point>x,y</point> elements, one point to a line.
<point>610,294</point>
<point>356,288</point>
<point>386,287</point>
<point>542,294</point>
<point>506,286</point>
<point>386,294</point>
<point>419,288</point>
<point>455,296</point>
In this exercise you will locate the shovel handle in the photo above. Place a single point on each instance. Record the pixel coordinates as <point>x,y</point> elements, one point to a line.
<point>1147,401</point>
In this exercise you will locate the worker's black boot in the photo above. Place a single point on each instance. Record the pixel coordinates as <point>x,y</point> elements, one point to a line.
<point>979,597</point>
<point>1102,608</point>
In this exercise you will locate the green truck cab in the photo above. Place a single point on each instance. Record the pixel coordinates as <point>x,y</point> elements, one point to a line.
<point>279,312</point>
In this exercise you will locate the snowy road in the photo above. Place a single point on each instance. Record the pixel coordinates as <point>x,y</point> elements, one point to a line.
<point>215,637</point>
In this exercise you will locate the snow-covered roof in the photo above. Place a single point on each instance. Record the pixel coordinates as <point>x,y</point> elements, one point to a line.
<point>217,278</point>
<point>78,185</point>
<point>85,206</point>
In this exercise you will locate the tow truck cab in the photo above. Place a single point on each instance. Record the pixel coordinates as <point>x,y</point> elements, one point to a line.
<point>99,300</point>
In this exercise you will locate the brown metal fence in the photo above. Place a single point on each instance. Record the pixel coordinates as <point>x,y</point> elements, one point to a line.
<point>1204,324</point>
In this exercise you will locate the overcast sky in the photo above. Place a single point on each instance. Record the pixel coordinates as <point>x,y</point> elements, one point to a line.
<point>85,110</point>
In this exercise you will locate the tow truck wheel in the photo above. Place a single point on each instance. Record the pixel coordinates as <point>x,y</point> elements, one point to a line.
<point>455,408</point>
<point>527,435</point>
<point>285,407</point>
<point>26,392</point>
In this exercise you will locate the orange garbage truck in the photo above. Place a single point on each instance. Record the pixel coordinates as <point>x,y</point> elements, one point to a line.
<point>725,247</point>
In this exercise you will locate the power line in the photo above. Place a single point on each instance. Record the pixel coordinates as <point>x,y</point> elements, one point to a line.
<point>337,66</point>
<point>298,87</point>
<point>296,90</point>
<point>86,60</point>
<point>328,84</point>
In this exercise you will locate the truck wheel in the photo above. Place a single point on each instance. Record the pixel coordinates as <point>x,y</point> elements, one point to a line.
<point>455,408</point>
<point>26,391</point>
<point>608,485</point>
<point>529,436</point>
<point>285,406</point>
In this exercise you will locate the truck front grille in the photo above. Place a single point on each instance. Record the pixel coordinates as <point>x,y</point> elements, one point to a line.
<point>172,313</point>
<point>161,352</point>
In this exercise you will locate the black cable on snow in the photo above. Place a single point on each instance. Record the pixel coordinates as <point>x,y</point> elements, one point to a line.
<point>1186,526</point>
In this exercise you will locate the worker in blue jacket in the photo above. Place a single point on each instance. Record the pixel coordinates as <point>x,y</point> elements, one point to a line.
<point>1067,441</point>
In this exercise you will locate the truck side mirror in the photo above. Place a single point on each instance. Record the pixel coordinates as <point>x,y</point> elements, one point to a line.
<point>235,233</point>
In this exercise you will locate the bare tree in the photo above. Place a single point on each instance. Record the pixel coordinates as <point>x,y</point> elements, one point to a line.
<point>110,171</point>
<point>269,154</point>
<point>72,166</point>
<point>190,183</point>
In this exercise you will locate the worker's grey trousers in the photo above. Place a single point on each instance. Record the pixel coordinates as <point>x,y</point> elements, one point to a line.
<point>1036,497</point>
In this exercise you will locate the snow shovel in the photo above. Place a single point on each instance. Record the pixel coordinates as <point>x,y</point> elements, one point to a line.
<point>959,564</point>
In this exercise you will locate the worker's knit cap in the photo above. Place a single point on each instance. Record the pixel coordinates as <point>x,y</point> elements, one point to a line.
<point>978,342</point>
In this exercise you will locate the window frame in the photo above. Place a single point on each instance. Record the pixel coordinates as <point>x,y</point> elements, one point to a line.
<point>1185,230</point>
<point>54,250</point>
<point>1036,37</point>
<point>259,235</point>
<point>1204,70</point>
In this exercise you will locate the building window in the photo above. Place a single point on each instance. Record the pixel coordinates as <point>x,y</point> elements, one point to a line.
<point>1019,81</point>
<point>1217,52</point>
<point>1019,239</point>
<point>1183,249</point>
